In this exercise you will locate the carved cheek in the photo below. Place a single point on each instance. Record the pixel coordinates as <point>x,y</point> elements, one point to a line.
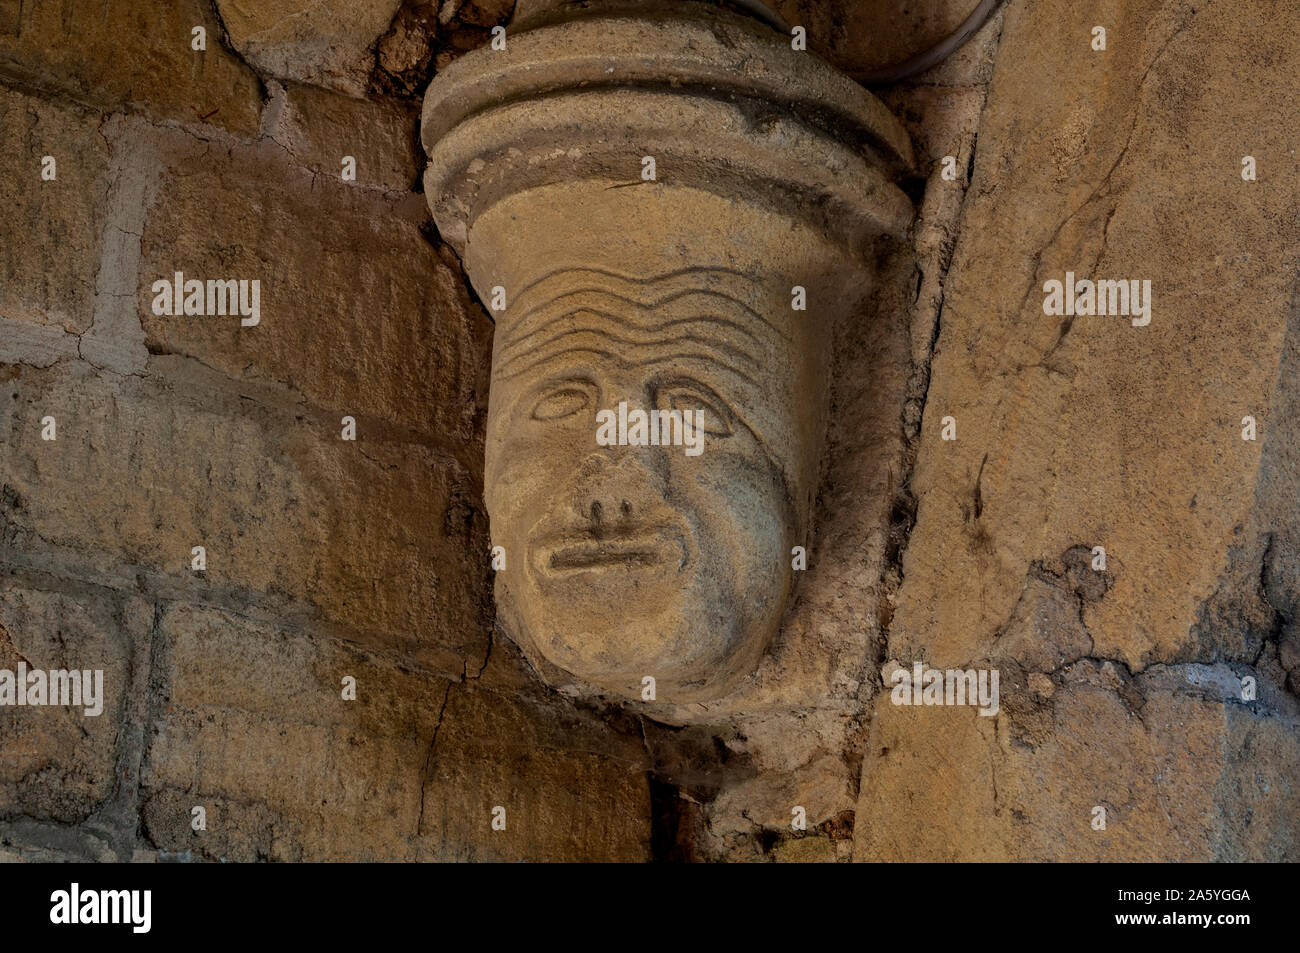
<point>537,425</point>
<point>735,498</point>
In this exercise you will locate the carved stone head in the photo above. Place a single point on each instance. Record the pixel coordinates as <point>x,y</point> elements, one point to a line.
<point>666,213</point>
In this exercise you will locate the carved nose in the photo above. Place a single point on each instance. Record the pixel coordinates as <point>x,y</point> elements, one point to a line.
<point>609,509</point>
<point>611,495</point>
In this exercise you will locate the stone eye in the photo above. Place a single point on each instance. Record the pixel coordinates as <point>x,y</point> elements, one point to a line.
<point>696,397</point>
<point>562,402</point>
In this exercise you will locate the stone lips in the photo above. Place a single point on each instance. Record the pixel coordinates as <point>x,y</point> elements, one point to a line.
<point>721,103</point>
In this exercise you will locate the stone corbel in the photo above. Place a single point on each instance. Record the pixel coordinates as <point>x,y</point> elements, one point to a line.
<point>665,208</point>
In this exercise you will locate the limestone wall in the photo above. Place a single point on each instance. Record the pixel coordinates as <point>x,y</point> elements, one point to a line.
<point>328,558</point>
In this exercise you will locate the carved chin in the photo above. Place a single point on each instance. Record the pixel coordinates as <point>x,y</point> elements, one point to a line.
<point>611,612</point>
<point>685,656</point>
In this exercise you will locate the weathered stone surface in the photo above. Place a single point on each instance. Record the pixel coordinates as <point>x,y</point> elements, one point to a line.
<point>15,850</point>
<point>873,34</point>
<point>1046,405</point>
<point>1254,613</point>
<point>405,51</point>
<point>370,535</point>
<point>319,128</point>
<point>59,763</point>
<point>1184,770</point>
<point>324,42</point>
<point>481,13</point>
<point>253,727</point>
<point>132,55</point>
<point>572,788</point>
<point>1083,432</point>
<point>48,278</point>
<point>806,850</point>
<point>358,313</point>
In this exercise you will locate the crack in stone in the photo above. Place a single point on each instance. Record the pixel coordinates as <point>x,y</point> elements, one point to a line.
<point>1138,100</point>
<point>428,759</point>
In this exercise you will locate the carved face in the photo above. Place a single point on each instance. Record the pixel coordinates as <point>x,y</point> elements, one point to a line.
<point>662,248</point>
<point>628,561</point>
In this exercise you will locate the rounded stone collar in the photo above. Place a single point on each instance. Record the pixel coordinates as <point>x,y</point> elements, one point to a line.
<point>722,102</point>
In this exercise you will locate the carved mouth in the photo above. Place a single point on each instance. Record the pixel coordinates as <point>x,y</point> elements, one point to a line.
<point>646,551</point>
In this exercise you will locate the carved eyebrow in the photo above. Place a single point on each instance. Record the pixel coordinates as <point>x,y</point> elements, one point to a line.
<point>653,322</point>
<point>646,305</point>
<point>732,351</point>
<point>643,295</point>
<point>667,276</point>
